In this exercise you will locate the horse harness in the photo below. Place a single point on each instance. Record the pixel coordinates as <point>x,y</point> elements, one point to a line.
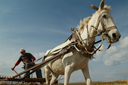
<point>100,20</point>
<point>82,48</point>
<point>79,45</point>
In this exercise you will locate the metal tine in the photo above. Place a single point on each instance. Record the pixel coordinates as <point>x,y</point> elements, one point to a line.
<point>8,82</point>
<point>5,76</point>
<point>11,83</point>
<point>18,82</point>
<point>2,76</point>
<point>5,81</point>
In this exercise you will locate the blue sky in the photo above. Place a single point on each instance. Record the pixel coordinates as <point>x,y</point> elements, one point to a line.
<point>40,25</point>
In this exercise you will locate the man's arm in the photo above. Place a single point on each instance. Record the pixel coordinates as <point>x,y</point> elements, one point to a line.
<point>17,63</point>
<point>33,59</point>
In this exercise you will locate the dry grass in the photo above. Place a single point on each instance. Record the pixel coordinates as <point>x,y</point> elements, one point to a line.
<point>5,83</point>
<point>121,82</point>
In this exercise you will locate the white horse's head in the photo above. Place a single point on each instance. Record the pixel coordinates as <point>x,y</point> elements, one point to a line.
<point>103,22</point>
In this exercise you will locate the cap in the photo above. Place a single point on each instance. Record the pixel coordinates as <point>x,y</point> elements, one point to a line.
<point>21,50</point>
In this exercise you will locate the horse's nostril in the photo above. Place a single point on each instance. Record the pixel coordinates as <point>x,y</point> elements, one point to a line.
<point>114,35</point>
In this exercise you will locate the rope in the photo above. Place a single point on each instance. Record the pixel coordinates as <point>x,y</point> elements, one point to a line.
<point>38,59</point>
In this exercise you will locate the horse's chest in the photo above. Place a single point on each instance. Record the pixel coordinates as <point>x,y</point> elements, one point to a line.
<point>82,63</point>
<point>75,60</point>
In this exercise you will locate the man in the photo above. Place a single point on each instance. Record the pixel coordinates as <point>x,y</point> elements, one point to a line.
<point>28,60</point>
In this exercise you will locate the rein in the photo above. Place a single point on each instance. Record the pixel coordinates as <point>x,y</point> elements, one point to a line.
<point>81,40</point>
<point>100,20</point>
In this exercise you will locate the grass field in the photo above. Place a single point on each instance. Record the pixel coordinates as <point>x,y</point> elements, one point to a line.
<point>120,82</point>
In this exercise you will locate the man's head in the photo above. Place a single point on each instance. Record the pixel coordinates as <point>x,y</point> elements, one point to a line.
<point>22,51</point>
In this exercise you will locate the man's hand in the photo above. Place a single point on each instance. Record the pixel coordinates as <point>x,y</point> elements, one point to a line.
<point>32,63</point>
<point>13,68</point>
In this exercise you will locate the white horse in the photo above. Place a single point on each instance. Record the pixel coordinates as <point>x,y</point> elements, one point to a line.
<point>100,22</point>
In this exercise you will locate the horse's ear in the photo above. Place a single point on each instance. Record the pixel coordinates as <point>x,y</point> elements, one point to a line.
<point>101,5</point>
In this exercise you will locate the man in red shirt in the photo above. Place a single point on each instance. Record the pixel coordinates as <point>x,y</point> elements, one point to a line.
<point>28,60</point>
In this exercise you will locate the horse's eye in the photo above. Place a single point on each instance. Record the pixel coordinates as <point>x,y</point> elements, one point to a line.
<point>104,16</point>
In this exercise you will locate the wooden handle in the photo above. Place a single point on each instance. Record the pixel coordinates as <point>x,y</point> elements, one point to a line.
<point>17,73</point>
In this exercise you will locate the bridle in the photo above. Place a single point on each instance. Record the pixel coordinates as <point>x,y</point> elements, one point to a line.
<point>100,20</point>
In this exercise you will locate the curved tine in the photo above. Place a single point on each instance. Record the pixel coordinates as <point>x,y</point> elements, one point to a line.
<point>94,7</point>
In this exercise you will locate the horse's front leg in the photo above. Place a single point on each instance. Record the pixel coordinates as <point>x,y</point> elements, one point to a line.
<point>68,71</point>
<point>85,71</point>
<point>54,78</point>
<point>47,74</point>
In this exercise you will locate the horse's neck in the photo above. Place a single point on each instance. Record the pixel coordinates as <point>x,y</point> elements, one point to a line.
<point>87,33</point>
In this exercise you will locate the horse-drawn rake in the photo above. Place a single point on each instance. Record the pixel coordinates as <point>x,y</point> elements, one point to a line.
<point>11,80</point>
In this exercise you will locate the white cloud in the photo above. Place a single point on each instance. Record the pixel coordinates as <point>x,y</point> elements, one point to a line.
<point>112,49</point>
<point>121,73</point>
<point>116,54</point>
<point>40,54</point>
<point>124,43</point>
<point>111,62</point>
<point>99,54</point>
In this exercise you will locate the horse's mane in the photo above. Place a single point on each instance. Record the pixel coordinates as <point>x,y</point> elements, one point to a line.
<point>108,8</point>
<point>86,20</point>
<point>83,23</point>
